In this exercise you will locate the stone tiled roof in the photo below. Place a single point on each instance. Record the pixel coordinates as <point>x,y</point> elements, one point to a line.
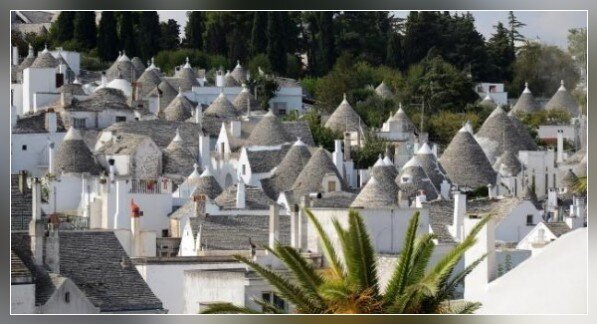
<point>207,185</point>
<point>521,131</point>
<point>19,273</point>
<point>20,205</point>
<point>101,99</point>
<point>418,180</point>
<point>336,199</point>
<point>74,156</point>
<point>148,80</point>
<point>124,144</point>
<point>44,60</point>
<point>178,160</point>
<point>384,91</point>
<point>287,170</point>
<point>255,198</point>
<point>186,78</point>
<point>262,160</point>
<point>434,170</point>
<point>36,123</point>
<point>562,99</point>
<point>166,92</point>
<point>557,228</point>
<point>72,89</point>
<point>375,195</point>
<point>311,177</point>
<point>179,109</point>
<point>465,162</point>
<point>508,164</point>
<point>122,68</point>
<point>240,101</point>
<point>225,232</point>
<point>92,260</point>
<point>526,102</point>
<point>239,73</point>
<point>269,131</point>
<point>441,214</point>
<point>221,107</point>
<point>138,65</point>
<point>37,17</point>
<point>345,118</point>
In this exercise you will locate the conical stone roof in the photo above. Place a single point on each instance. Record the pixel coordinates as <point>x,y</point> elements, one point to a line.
<point>375,195</point>
<point>526,102</point>
<point>207,185</point>
<point>230,81</point>
<point>28,60</point>
<point>122,68</point>
<point>508,164</point>
<point>166,93</point>
<point>562,99</point>
<point>148,80</point>
<point>187,76</point>
<point>488,102</point>
<point>311,177</point>
<point>400,117</point>
<point>178,160</point>
<point>521,131</point>
<point>268,131</point>
<point>413,178</point>
<point>431,166</point>
<point>239,73</point>
<point>465,162</point>
<point>384,91</point>
<point>287,171</point>
<point>73,155</point>
<point>240,102</point>
<point>138,65</point>
<point>44,60</point>
<point>221,107</point>
<point>179,109</point>
<point>530,195</point>
<point>496,136</point>
<point>345,119</point>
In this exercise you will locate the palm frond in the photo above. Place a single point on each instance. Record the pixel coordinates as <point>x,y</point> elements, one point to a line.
<point>399,277</point>
<point>287,290</point>
<point>268,307</point>
<point>465,308</point>
<point>304,273</point>
<point>227,308</point>
<point>361,260</point>
<point>422,252</point>
<point>328,249</point>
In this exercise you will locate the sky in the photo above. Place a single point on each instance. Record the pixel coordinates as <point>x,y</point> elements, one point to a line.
<point>551,27</point>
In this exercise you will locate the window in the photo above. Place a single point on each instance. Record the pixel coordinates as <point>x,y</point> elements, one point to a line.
<point>281,112</point>
<point>79,123</point>
<point>492,88</point>
<point>120,119</point>
<point>280,108</point>
<point>529,220</point>
<point>59,80</point>
<point>67,297</point>
<point>331,186</point>
<point>24,147</point>
<point>274,299</point>
<point>244,169</point>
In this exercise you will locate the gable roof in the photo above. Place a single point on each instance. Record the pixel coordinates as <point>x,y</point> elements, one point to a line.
<point>255,198</point>
<point>36,123</point>
<point>557,228</point>
<point>232,232</point>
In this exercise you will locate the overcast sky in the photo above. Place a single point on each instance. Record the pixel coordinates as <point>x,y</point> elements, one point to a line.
<point>550,26</point>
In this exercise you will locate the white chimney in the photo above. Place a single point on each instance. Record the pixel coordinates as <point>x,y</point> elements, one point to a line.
<point>444,189</point>
<point>274,224</point>
<point>36,199</point>
<point>402,200</point>
<point>552,199</point>
<point>136,246</point>
<point>51,157</point>
<point>235,128</point>
<point>420,199</point>
<point>560,147</point>
<point>111,169</point>
<point>104,79</point>
<point>51,120</point>
<point>294,226</point>
<point>456,229</point>
<point>337,155</point>
<point>248,108</point>
<point>475,283</point>
<point>204,150</point>
<point>120,215</point>
<point>219,78</point>
<point>15,56</point>
<point>241,194</point>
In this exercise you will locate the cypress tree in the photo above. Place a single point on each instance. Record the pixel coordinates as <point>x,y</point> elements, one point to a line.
<point>194,30</point>
<point>215,38</point>
<point>85,31</point>
<point>393,50</point>
<point>501,54</point>
<point>62,29</point>
<point>126,32</point>
<point>169,39</point>
<point>258,37</point>
<point>327,40</point>
<point>107,38</point>
<point>276,52</point>
<point>149,35</point>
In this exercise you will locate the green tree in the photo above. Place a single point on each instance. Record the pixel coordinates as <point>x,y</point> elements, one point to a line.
<point>215,37</point>
<point>149,34</point>
<point>577,47</point>
<point>501,55</point>
<point>62,29</point>
<point>543,67</point>
<point>258,30</point>
<point>107,38</point>
<point>194,29</point>
<point>126,33</point>
<point>393,55</point>
<point>514,26</point>
<point>169,39</point>
<point>326,40</point>
<point>266,87</point>
<point>85,31</point>
<point>350,284</point>
<point>276,51</point>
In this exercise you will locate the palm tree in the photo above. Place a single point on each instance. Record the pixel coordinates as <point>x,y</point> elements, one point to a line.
<point>350,284</point>
<point>580,186</point>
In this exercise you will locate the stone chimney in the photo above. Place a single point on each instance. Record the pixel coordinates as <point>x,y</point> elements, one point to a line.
<point>204,150</point>
<point>560,146</point>
<point>241,194</point>
<point>475,283</point>
<point>36,225</point>
<point>52,119</point>
<point>274,224</point>
<point>457,229</point>
<point>136,244</point>
<point>198,115</point>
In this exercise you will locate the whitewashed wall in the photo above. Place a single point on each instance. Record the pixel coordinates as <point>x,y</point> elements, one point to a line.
<point>22,299</point>
<point>34,159</point>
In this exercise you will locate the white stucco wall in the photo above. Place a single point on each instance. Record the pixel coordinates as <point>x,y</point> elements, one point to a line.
<point>514,227</point>
<point>78,302</point>
<point>37,80</point>
<point>34,158</point>
<point>22,299</point>
<point>167,280</point>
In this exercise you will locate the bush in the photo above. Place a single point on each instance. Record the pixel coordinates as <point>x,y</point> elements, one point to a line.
<point>168,60</point>
<point>93,63</point>
<point>259,61</point>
